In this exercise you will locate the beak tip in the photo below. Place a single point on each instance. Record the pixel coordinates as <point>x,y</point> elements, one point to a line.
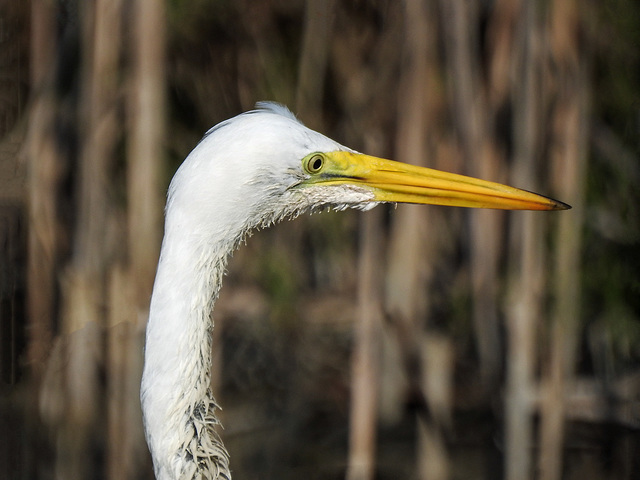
<point>552,203</point>
<point>558,205</point>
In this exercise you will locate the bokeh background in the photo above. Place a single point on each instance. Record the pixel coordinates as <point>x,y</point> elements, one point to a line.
<point>401,343</point>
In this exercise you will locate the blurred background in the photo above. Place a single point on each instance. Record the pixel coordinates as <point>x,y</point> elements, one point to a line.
<point>402,343</point>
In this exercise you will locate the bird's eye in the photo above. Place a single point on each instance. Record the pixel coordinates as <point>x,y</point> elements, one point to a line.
<point>315,163</point>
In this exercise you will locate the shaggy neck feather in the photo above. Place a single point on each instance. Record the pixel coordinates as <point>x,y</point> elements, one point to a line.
<point>178,406</point>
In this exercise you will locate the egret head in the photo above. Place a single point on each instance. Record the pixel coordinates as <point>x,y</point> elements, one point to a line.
<point>264,165</point>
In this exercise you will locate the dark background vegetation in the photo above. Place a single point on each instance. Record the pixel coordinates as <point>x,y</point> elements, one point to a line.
<point>398,343</point>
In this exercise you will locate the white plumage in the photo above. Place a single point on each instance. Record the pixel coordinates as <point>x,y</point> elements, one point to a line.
<point>247,172</point>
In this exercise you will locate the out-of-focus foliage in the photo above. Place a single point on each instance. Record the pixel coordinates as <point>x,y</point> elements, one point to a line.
<point>612,233</point>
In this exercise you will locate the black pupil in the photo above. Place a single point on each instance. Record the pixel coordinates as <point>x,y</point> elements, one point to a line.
<point>316,164</point>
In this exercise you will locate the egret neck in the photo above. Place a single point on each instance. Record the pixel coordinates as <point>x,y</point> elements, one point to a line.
<point>179,408</point>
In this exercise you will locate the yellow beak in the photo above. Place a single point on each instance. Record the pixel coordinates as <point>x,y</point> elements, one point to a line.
<point>391,181</point>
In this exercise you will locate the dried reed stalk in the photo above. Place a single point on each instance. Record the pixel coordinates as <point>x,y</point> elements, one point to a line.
<point>316,42</point>
<point>475,107</point>
<point>437,365</point>
<point>366,355</point>
<point>526,282</point>
<point>84,281</point>
<point>43,177</point>
<point>569,152</point>
<point>130,285</point>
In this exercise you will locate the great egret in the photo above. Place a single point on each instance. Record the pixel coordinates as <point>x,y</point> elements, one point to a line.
<point>251,171</point>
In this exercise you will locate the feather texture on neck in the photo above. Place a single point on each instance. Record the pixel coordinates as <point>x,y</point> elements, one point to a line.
<point>178,405</point>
